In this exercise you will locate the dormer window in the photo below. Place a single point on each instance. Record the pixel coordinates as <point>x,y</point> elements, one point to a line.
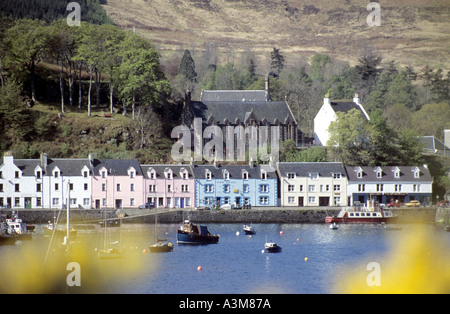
<point>226,175</point>
<point>379,172</point>
<point>169,175</point>
<point>263,175</point>
<point>208,175</point>
<point>291,175</point>
<point>314,176</point>
<point>56,174</point>
<point>245,175</point>
<point>416,172</point>
<point>337,175</point>
<point>396,173</point>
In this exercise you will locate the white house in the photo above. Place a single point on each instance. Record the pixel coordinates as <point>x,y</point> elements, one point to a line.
<point>44,182</point>
<point>327,114</point>
<point>312,183</point>
<point>389,183</point>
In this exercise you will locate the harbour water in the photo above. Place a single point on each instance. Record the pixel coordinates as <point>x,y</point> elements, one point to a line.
<point>314,259</point>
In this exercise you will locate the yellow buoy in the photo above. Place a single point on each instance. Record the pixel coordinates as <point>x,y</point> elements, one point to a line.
<point>306,259</point>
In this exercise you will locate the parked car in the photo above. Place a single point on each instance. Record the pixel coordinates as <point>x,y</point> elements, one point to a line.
<point>202,208</point>
<point>147,205</point>
<point>413,204</point>
<point>225,206</point>
<point>443,204</point>
<point>394,204</point>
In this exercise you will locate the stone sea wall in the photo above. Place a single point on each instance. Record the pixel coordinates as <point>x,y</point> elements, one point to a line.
<point>274,215</point>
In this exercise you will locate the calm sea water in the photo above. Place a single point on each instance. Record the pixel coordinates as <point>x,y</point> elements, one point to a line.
<point>312,259</point>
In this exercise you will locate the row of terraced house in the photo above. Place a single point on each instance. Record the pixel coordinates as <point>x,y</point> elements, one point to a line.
<point>88,183</point>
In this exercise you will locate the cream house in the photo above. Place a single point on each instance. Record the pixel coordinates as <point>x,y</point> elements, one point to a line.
<point>312,184</point>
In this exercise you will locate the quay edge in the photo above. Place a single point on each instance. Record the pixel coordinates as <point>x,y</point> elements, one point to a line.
<point>272,215</point>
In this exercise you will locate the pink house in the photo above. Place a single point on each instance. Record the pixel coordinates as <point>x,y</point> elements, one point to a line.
<point>117,183</point>
<point>169,186</point>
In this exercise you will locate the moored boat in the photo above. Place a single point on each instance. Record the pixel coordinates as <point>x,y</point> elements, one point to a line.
<point>334,226</point>
<point>161,247</point>
<point>19,228</point>
<point>272,247</point>
<point>249,229</point>
<point>189,233</point>
<point>362,215</point>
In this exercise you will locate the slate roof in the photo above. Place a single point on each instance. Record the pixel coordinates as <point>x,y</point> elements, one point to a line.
<point>432,143</point>
<point>160,169</point>
<point>304,169</point>
<point>118,167</point>
<point>68,167</point>
<point>369,174</point>
<point>235,172</point>
<point>345,106</point>
<point>27,166</point>
<point>233,110</point>
<point>233,95</point>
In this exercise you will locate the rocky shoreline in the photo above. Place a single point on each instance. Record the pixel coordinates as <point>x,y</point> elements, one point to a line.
<point>272,215</point>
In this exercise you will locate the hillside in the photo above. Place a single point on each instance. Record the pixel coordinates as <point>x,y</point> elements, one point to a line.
<point>412,31</point>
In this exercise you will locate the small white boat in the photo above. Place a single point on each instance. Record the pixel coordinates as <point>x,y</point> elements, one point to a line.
<point>333,226</point>
<point>271,247</point>
<point>249,229</point>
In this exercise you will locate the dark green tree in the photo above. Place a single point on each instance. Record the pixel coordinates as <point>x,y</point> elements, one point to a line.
<point>187,67</point>
<point>277,63</point>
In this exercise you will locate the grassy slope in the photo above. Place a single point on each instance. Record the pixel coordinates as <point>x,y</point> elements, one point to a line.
<point>411,32</point>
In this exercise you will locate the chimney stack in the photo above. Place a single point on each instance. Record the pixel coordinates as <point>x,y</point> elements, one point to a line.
<point>326,99</point>
<point>447,138</point>
<point>356,99</point>
<point>267,88</point>
<point>44,161</point>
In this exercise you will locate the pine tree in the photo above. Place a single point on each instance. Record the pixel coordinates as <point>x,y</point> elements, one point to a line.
<point>187,67</point>
<point>277,63</point>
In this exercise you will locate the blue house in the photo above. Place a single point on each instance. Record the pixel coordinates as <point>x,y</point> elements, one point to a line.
<point>217,185</point>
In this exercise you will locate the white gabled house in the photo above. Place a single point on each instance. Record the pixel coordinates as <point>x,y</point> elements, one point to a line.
<point>327,114</point>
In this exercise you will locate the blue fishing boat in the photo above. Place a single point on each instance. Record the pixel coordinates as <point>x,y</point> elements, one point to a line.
<point>189,233</point>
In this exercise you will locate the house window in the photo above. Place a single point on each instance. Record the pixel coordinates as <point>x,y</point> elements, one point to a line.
<point>103,174</point>
<point>17,202</point>
<point>226,175</point>
<point>336,187</point>
<point>85,174</point>
<point>131,201</point>
<point>226,188</point>
<point>169,188</point>
<point>208,175</point>
<point>416,173</point>
<point>291,188</point>
<point>226,200</point>
<point>301,187</point>
<point>152,175</point>
<point>379,187</point>
<point>86,186</point>
<point>169,175</point>
<point>85,201</point>
<point>263,175</point>
<point>131,186</point>
<point>152,188</point>
<point>397,174</point>
<point>118,187</point>
<point>246,188</point>
<point>361,187</point>
<point>264,200</point>
<point>398,188</point>
<point>184,188</point>
<point>314,176</point>
<point>416,187</point>
<point>55,201</point>
<point>70,186</point>
<point>184,175</point>
<point>103,186</point>
<point>1,187</point>
<point>379,174</point>
<point>38,174</point>
<point>38,201</point>
<point>56,187</point>
<point>245,175</point>
<point>312,199</point>
<point>264,188</point>
<point>17,173</point>
<point>56,174</point>
<point>291,200</point>
<point>311,188</point>
<point>131,174</point>
<point>336,175</point>
<point>38,187</point>
<point>103,201</point>
<point>359,174</point>
<point>209,188</point>
<point>291,175</point>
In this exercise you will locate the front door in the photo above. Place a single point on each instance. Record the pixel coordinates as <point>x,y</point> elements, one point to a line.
<point>118,203</point>
<point>181,202</point>
<point>300,201</point>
